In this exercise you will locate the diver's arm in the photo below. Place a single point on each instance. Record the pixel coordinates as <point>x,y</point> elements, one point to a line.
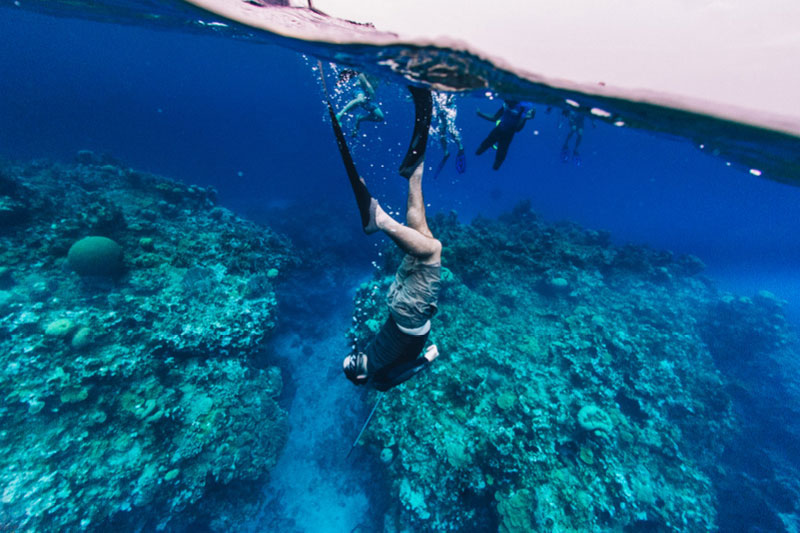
<point>494,118</point>
<point>527,116</point>
<point>394,376</point>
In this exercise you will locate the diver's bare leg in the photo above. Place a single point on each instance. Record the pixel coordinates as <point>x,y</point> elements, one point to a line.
<point>372,116</point>
<point>411,241</point>
<point>488,141</point>
<point>443,144</point>
<point>415,211</point>
<point>358,100</point>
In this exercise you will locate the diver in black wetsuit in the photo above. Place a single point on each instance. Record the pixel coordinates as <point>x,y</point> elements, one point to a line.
<point>393,356</point>
<point>510,119</point>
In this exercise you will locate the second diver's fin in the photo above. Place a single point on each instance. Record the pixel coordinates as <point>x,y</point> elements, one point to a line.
<point>564,154</point>
<point>441,166</point>
<point>461,161</point>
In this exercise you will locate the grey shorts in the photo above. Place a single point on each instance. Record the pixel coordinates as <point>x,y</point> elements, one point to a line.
<point>414,294</point>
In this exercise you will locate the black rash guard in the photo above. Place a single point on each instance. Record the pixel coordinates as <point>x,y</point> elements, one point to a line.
<point>393,356</point>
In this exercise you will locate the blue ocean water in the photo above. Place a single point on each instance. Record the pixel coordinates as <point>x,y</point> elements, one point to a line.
<point>249,120</point>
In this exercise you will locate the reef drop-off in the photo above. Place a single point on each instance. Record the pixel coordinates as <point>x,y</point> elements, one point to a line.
<point>579,387</point>
<point>130,309</point>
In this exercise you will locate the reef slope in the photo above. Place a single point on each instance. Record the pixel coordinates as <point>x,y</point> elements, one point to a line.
<point>130,393</point>
<point>577,388</point>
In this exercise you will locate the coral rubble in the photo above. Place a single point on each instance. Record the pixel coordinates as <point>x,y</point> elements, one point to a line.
<point>128,397</point>
<point>577,390</point>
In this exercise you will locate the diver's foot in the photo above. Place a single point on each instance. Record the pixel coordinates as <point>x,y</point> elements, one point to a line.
<point>564,155</point>
<point>576,158</point>
<point>409,172</point>
<point>375,211</point>
<point>412,161</point>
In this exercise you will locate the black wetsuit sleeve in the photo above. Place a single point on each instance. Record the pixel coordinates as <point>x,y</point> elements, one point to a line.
<point>499,114</point>
<point>491,118</point>
<point>394,375</point>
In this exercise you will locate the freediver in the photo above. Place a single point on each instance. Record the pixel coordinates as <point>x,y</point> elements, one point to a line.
<point>444,109</point>
<point>364,98</point>
<point>393,356</point>
<point>508,120</point>
<point>575,121</point>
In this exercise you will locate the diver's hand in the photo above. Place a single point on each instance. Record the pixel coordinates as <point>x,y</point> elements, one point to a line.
<point>431,353</point>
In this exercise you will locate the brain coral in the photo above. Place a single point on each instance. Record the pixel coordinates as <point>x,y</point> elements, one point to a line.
<point>96,256</point>
<point>592,418</point>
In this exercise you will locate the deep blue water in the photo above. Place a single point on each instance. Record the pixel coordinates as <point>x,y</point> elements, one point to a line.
<point>249,120</point>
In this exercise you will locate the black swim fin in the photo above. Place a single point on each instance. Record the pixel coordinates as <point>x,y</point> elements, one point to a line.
<point>461,161</point>
<point>423,108</point>
<point>367,205</point>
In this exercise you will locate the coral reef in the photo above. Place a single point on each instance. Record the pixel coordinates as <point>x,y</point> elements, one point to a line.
<point>128,394</point>
<point>577,389</point>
